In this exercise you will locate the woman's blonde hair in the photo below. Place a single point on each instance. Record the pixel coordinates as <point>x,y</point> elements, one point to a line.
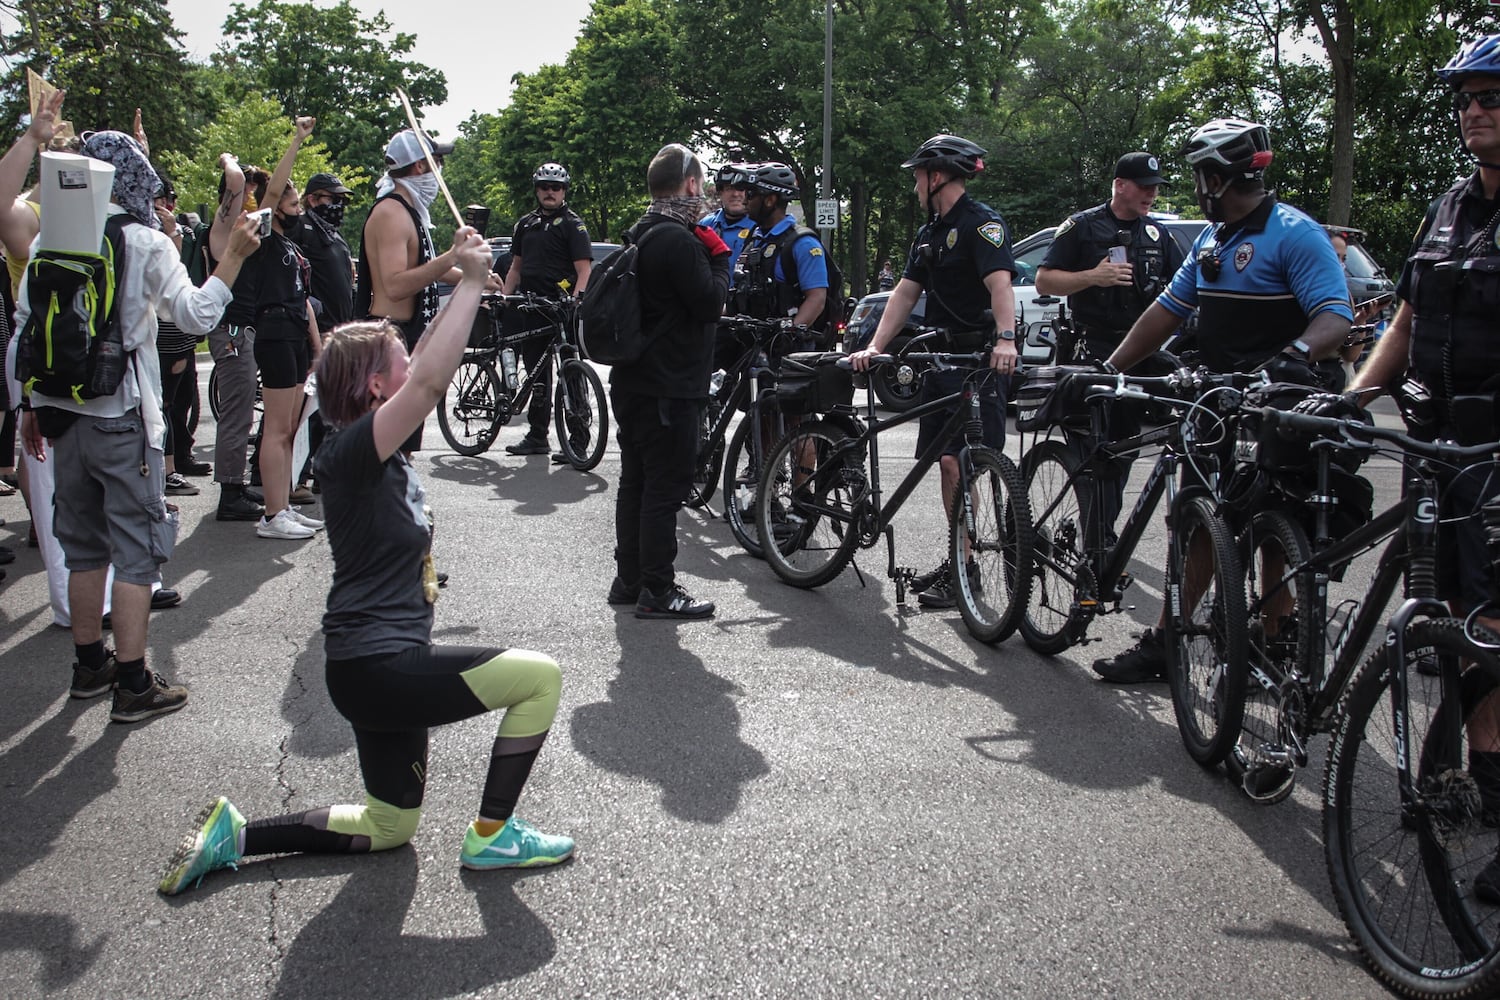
<point>354,353</point>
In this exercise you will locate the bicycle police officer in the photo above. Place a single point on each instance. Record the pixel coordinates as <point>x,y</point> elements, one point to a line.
<point>730,220</point>
<point>764,286</point>
<point>1111,261</point>
<point>551,255</point>
<point>962,259</point>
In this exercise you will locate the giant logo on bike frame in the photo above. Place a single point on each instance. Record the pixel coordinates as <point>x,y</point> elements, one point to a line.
<point>1242,255</point>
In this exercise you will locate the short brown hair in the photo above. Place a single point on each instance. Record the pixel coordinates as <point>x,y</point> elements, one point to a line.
<point>354,353</point>
<point>670,168</point>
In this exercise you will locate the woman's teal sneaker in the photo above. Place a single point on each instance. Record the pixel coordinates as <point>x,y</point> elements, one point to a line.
<point>212,843</point>
<point>517,844</point>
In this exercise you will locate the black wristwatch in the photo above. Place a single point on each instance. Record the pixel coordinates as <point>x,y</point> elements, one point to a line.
<point>1007,335</point>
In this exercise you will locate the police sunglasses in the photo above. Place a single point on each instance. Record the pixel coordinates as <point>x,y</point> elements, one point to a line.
<point>1488,99</point>
<point>550,187</point>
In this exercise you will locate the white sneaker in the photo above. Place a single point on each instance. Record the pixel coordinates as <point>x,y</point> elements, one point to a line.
<point>283,526</point>
<point>304,520</point>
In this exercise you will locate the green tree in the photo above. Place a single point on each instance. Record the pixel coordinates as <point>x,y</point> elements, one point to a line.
<point>111,56</point>
<point>333,63</point>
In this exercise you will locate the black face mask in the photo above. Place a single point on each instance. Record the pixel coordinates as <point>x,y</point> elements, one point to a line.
<point>331,213</point>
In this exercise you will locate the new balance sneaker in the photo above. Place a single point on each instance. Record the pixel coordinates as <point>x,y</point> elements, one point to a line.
<point>621,594</point>
<point>674,603</point>
<point>529,445</point>
<point>212,843</point>
<point>517,844</point>
<point>304,520</point>
<point>283,525</point>
<point>178,486</point>
<point>159,698</point>
<point>1145,661</point>
<point>92,683</point>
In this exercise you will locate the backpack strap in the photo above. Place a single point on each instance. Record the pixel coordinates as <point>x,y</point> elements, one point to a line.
<point>786,244</point>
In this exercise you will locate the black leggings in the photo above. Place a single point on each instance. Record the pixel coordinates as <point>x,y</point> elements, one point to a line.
<point>391,700</point>
<point>176,403</point>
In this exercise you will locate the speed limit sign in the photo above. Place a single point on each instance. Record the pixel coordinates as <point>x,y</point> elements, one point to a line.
<point>828,213</point>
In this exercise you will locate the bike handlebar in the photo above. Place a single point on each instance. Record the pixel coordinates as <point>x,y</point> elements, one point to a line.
<point>1345,429</point>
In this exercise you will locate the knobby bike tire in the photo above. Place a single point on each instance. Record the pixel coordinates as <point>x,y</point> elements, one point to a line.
<point>1205,643</point>
<point>990,535</point>
<point>1063,534</point>
<point>472,408</point>
<point>810,504</point>
<point>742,487</point>
<point>710,460</point>
<point>1279,642</point>
<point>1404,877</point>
<point>581,414</point>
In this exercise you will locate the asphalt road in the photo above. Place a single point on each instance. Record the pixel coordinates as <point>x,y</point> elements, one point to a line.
<point>815,794</point>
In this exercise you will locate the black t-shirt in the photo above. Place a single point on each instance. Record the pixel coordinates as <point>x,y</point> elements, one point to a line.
<point>952,256</point>
<point>332,270</point>
<point>271,291</point>
<point>1083,240</point>
<point>379,534</point>
<point>548,245</point>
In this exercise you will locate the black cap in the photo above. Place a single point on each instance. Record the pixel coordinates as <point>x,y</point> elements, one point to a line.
<point>325,182</point>
<point>1143,168</point>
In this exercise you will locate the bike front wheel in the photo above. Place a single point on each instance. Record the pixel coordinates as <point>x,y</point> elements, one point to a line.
<point>710,460</point>
<point>1062,522</point>
<point>742,469</point>
<point>1205,631</point>
<point>1404,873</point>
<point>810,503</point>
<point>990,536</point>
<point>581,415</point>
<point>472,409</point>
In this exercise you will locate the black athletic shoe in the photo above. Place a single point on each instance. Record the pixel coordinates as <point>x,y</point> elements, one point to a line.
<point>621,594</point>
<point>923,581</point>
<point>92,683</point>
<point>529,445</point>
<point>558,458</point>
<point>194,468</point>
<point>939,594</point>
<point>235,504</point>
<point>675,603</point>
<point>1145,661</point>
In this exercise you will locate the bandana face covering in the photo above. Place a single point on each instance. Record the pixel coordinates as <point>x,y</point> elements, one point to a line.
<point>331,213</point>
<point>136,183</point>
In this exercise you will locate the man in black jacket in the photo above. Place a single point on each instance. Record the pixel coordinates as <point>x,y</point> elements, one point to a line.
<point>683,277</point>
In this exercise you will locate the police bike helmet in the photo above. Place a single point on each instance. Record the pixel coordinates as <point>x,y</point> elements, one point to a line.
<point>551,173</point>
<point>1480,57</point>
<point>733,175</point>
<point>1230,147</point>
<point>776,178</point>
<point>948,152</point>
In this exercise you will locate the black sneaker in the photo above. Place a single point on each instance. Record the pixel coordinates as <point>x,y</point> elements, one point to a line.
<point>236,505</point>
<point>92,683</point>
<point>1145,661</point>
<point>159,698</point>
<point>621,594</point>
<point>675,603</point>
<point>558,458</point>
<point>925,580</point>
<point>195,468</point>
<point>1487,883</point>
<point>529,445</point>
<point>254,494</point>
<point>178,486</point>
<point>939,594</point>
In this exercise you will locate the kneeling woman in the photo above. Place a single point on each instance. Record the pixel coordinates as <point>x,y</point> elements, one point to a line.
<point>384,674</point>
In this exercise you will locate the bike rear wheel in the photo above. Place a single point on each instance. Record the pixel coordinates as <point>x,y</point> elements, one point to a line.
<point>1403,874</point>
<point>1205,642</point>
<point>990,536</point>
<point>1279,643</point>
<point>581,414</point>
<point>473,407</point>
<point>1063,532</point>
<point>810,504</point>
<point>710,460</point>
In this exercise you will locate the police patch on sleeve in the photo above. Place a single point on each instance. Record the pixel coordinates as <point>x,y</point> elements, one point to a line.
<point>1067,224</point>
<point>815,251</point>
<point>994,232</point>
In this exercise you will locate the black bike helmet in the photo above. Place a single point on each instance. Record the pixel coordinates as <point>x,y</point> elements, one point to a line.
<point>1231,147</point>
<point>948,152</point>
<point>1480,57</point>
<point>551,173</point>
<point>733,175</point>
<point>776,178</point>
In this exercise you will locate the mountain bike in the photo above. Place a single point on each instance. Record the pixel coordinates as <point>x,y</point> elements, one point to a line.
<point>493,383</point>
<point>821,490</point>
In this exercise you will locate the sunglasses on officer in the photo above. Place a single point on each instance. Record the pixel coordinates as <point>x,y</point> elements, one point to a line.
<point>1488,99</point>
<point>548,186</point>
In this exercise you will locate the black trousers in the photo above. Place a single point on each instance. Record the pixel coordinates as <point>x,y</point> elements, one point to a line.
<point>658,448</point>
<point>532,351</point>
<point>177,392</point>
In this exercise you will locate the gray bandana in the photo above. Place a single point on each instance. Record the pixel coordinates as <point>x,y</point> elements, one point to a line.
<point>136,182</point>
<point>686,209</point>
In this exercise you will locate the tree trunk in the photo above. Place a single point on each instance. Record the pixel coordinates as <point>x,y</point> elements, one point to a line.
<point>858,271</point>
<point>1335,23</point>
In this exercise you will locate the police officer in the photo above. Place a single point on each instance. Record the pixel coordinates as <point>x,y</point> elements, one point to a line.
<point>730,220</point>
<point>962,259</point>
<point>1111,261</point>
<point>551,255</point>
<point>764,286</point>
<point>1447,335</point>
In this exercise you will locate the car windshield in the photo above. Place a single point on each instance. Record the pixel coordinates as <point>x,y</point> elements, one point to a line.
<point>1360,264</point>
<point>1027,263</point>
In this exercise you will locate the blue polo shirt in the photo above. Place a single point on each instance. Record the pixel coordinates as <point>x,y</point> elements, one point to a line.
<point>812,268</point>
<point>734,233</point>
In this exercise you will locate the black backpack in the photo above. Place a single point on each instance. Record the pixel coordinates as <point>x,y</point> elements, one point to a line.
<point>828,321</point>
<point>609,314</point>
<point>72,346</point>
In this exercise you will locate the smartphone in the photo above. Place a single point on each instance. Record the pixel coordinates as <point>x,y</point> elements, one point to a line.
<point>263,217</point>
<point>1117,255</point>
<point>1383,299</point>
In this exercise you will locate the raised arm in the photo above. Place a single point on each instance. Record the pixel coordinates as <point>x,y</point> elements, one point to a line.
<point>18,223</point>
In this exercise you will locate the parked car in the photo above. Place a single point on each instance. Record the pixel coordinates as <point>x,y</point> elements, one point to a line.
<point>1365,277</point>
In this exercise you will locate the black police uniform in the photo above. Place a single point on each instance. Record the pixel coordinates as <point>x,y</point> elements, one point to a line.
<point>548,246</point>
<point>1102,316</point>
<point>1452,280</point>
<point>950,258</point>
